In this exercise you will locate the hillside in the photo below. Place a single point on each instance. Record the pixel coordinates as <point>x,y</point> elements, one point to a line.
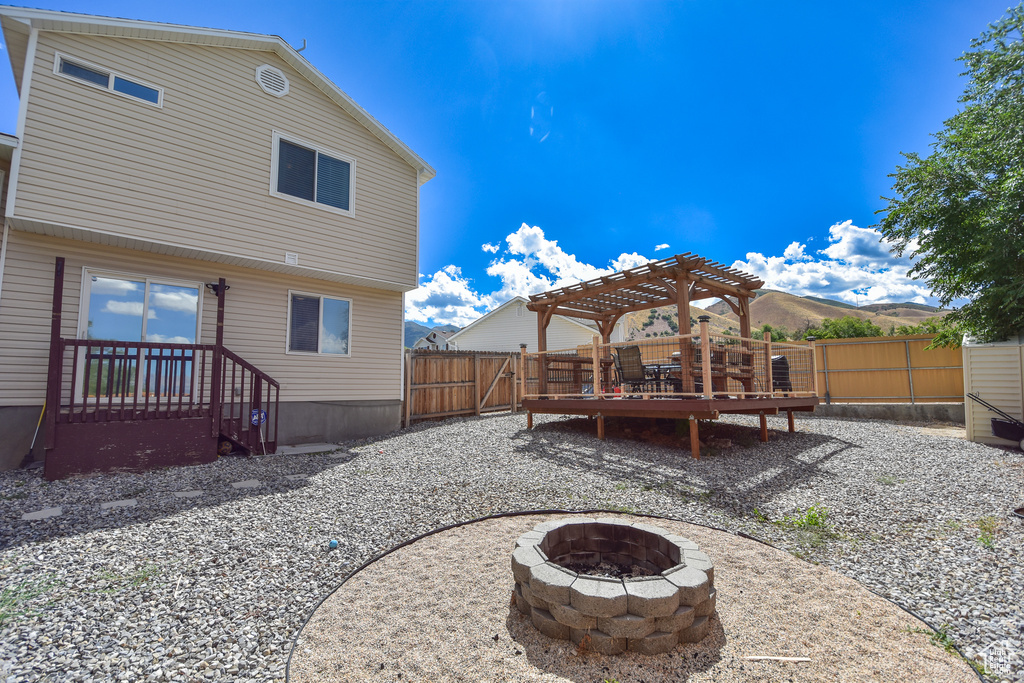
<point>780,309</point>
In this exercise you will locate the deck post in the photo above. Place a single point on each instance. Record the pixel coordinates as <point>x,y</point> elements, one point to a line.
<point>529,420</point>
<point>694,439</point>
<point>764,428</point>
<point>792,426</point>
<point>600,426</point>
<point>705,355</point>
<point>54,371</point>
<point>595,358</point>
<point>216,397</point>
<point>768,366</point>
<point>543,317</point>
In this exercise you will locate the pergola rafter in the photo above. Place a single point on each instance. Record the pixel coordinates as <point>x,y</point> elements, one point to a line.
<point>677,280</point>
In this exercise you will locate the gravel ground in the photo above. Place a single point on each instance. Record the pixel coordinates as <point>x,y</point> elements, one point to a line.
<point>215,587</point>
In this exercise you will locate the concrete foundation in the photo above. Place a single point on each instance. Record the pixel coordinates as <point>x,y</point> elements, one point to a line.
<point>334,421</point>
<point>17,424</point>
<point>906,412</point>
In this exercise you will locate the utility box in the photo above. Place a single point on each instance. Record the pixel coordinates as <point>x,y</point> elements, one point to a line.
<point>994,373</point>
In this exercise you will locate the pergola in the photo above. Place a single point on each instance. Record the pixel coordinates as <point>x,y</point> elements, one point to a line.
<point>678,280</point>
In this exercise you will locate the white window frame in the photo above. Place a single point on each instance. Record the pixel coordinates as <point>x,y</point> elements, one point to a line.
<point>295,140</point>
<point>320,326</point>
<point>58,56</point>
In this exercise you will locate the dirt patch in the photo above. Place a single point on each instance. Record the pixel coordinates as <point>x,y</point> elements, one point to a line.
<point>418,614</point>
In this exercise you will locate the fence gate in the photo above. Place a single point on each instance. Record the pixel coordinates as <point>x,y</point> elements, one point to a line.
<point>451,383</point>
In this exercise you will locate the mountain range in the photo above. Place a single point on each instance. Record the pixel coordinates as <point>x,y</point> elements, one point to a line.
<point>779,309</point>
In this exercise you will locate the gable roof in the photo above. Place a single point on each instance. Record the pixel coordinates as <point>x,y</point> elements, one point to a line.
<point>18,21</point>
<point>522,300</point>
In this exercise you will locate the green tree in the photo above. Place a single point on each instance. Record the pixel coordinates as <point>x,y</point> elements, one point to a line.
<point>843,328</point>
<point>959,211</point>
<point>935,326</point>
<point>779,334</point>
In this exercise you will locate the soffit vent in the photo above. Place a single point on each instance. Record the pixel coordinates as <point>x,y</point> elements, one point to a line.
<point>272,80</point>
<point>291,259</point>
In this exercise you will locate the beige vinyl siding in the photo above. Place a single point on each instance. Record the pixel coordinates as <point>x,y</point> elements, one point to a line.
<point>255,321</point>
<point>993,372</point>
<point>197,171</point>
<point>503,330</point>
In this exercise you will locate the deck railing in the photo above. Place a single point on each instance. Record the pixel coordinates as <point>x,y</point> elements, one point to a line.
<point>672,367</point>
<point>112,381</point>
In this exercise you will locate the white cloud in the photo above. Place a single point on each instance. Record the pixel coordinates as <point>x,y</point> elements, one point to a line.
<point>487,246</point>
<point>660,247</point>
<point>445,298</point>
<point>176,299</point>
<point>134,308</point>
<point>795,252</point>
<point>109,285</point>
<point>857,268</point>
<point>163,339</point>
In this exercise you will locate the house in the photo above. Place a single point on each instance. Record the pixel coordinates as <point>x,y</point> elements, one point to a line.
<point>511,324</point>
<point>435,339</point>
<point>198,226</point>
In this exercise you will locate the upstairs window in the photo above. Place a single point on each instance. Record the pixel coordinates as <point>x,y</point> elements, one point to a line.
<point>307,173</point>
<point>106,79</point>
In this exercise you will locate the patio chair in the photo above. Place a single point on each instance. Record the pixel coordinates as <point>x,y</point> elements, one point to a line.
<point>630,368</point>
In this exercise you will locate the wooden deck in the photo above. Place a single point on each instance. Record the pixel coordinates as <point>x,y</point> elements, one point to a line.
<point>691,409</point>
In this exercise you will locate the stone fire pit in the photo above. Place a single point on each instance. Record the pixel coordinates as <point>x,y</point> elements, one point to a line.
<point>656,591</point>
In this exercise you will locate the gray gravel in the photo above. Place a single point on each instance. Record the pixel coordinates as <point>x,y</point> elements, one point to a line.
<point>214,586</point>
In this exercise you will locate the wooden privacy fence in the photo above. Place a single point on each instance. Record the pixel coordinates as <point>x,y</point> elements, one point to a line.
<point>452,383</point>
<point>888,370</point>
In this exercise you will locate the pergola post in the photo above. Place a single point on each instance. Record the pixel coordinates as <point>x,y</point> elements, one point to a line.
<point>744,317</point>
<point>685,345</point>
<point>542,346</point>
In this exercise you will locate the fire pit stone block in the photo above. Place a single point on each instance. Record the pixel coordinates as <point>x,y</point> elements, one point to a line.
<point>550,582</point>
<point>651,596</point>
<point>626,626</point>
<point>655,643</point>
<point>599,596</point>
<point>572,617</point>
<point>599,642</point>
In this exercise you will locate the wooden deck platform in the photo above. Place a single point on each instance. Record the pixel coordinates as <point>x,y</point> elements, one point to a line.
<point>692,409</point>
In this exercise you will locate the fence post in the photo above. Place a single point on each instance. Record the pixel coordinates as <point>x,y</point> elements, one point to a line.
<point>408,387</point>
<point>824,368</point>
<point>910,371</point>
<point>768,365</point>
<point>596,360</point>
<point>522,371</point>
<point>476,381</point>
<point>814,362</point>
<point>512,381</point>
<point>705,355</point>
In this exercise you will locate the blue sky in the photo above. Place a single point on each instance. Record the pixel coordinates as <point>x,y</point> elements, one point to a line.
<point>574,138</point>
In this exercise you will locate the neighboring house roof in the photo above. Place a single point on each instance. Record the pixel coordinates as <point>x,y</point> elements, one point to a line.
<point>434,337</point>
<point>17,22</point>
<point>524,301</point>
